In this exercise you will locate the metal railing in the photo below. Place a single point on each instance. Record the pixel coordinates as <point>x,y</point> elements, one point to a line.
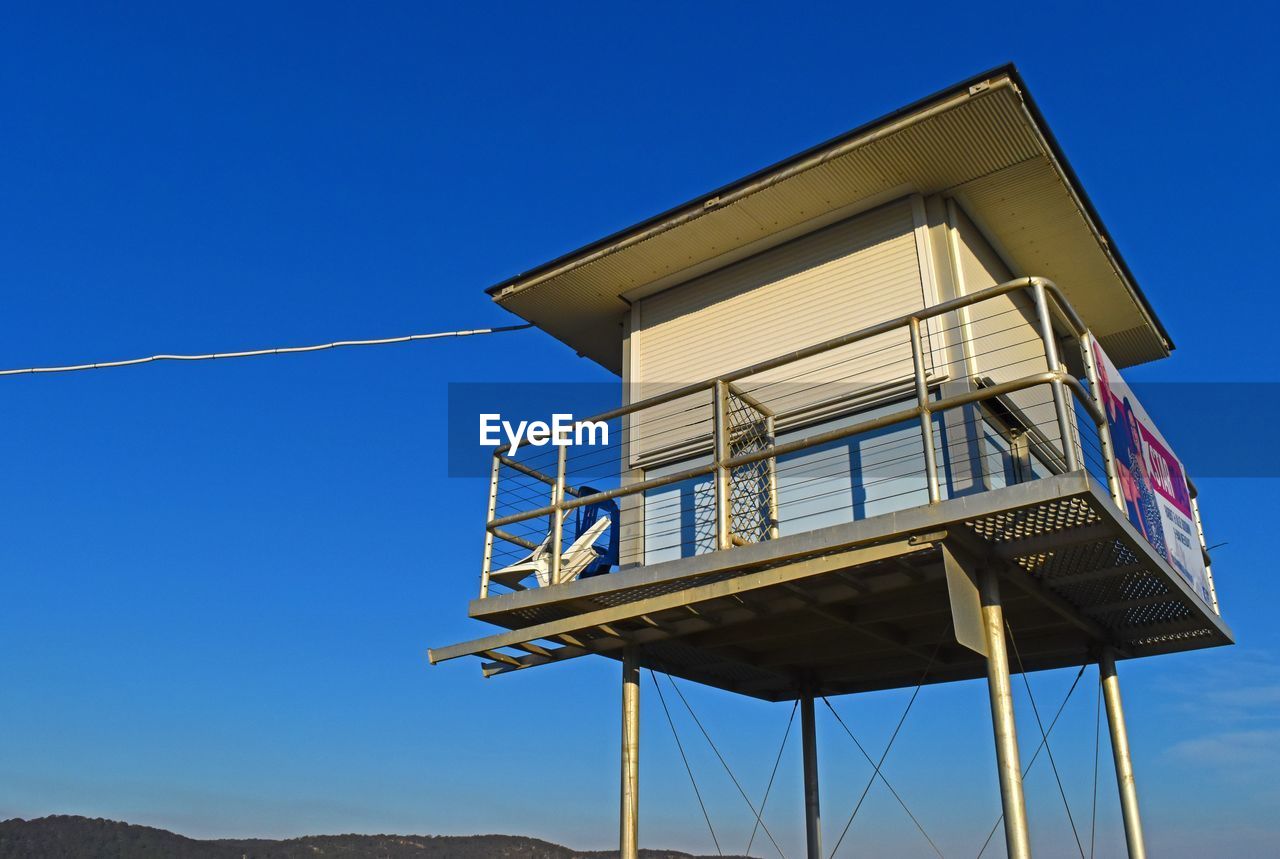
<point>1050,310</point>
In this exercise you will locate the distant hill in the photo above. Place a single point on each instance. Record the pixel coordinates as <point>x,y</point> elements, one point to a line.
<point>70,837</point>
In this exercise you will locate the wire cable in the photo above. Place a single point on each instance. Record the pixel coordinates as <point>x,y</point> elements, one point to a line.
<point>882,777</point>
<point>687,768</point>
<point>1035,755</point>
<point>915,693</point>
<point>773,775</point>
<point>1047,748</point>
<point>253,353</point>
<point>725,764</point>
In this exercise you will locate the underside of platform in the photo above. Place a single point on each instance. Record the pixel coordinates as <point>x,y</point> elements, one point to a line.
<point>866,605</point>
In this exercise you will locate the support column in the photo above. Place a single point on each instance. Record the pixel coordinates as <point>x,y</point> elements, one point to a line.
<point>1007,759</point>
<point>809,744</point>
<point>1120,751</point>
<point>629,829</point>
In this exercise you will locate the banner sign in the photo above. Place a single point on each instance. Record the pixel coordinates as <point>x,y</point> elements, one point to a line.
<point>1156,498</point>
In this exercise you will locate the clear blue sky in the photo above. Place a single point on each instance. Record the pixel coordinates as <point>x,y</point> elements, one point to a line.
<point>218,580</point>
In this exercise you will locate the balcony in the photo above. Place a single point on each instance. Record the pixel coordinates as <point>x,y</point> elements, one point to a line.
<point>815,515</point>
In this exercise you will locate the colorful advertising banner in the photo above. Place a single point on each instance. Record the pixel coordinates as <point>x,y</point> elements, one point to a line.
<point>1156,498</point>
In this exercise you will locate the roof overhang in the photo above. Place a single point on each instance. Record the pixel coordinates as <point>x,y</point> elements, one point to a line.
<point>982,142</point>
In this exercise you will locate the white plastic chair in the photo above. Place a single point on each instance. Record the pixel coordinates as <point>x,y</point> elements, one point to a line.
<point>537,563</point>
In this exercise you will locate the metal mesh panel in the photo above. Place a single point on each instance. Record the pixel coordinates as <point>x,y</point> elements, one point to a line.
<point>750,507</point>
<point>1105,579</point>
<point>1034,521</point>
<point>621,597</point>
<point>518,618</point>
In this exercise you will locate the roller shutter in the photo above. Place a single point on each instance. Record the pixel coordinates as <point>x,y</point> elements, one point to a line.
<point>839,279</point>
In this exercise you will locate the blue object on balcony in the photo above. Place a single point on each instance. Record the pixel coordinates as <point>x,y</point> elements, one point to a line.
<point>587,517</point>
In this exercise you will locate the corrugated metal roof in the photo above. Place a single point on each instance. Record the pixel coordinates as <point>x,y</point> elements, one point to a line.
<point>984,144</point>
<point>1040,230</point>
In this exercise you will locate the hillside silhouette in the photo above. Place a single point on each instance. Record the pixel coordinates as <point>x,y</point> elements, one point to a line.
<point>72,837</point>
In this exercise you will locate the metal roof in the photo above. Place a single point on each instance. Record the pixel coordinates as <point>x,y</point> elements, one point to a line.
<point>982,141</point>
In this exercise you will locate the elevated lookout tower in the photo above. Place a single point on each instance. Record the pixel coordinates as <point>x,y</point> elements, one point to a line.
<point>871,418</point>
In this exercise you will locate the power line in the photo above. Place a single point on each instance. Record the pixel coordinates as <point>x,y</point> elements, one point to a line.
<point>253,353</point>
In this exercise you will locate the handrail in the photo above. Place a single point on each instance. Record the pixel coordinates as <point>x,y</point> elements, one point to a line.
<point>847,340</point>
<point>1049,306</point>
<point>869,425</point>
<point>950,306</point>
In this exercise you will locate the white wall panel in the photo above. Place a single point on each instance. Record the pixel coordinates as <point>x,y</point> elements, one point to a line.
<point>834,281</point>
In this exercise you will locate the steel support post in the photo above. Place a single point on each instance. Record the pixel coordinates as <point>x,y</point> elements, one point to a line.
<point>772,463</point>
<point>1104,429</point>
<point>1120,751</point>
<point>720,430</point>
<point>926,417</point>
<point>557,515</point>
<point>487,565</point>
<point>1204,546</point>
<point>809,746</point>
<point>1061,402</point>
<point>1006,732</point>
<point>629,828</point>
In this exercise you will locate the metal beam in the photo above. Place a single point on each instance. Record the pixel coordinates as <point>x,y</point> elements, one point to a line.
<point>560,654</point>
<point>1016,837</point>
<point>790,618</point>
<point>1120,752</point>
<point>793,619</point>
<point>854,581</point>
<point>701,593</point>
<point>629,818</point>
<point>809,744</point>
<point>602,646</point>
<point>609,645</point>
<point>1036,589</point>
<point>1050,649</point>
<point>907,675</point>
<point>885,635</point>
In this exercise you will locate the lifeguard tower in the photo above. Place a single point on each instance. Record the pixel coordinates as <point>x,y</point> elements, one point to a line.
<point>872,418</point>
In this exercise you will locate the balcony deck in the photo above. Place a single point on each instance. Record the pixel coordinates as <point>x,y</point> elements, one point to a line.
<point>866,605</point>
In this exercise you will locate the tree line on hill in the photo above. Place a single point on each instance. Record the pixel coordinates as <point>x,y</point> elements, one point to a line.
<point>71,837</point>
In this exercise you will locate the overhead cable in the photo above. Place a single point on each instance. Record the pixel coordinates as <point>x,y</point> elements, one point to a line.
<point>253,353</point>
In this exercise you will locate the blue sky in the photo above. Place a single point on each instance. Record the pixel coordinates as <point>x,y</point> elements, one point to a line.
<point>218,580</point>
